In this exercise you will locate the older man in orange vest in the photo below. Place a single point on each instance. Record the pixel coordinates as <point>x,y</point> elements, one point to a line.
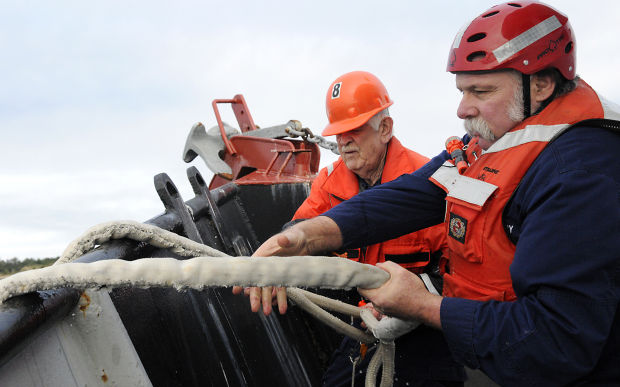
<point>357,109</point>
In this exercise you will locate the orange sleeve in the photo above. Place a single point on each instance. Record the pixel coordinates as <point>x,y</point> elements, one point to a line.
<point>435,237</point>
<point>417,160</point>
<point>317,202</point>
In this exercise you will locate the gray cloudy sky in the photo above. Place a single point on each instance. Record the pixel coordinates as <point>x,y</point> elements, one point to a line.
<point>97,97</point>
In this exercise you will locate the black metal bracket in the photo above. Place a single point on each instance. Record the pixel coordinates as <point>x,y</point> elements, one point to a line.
<point>201,190</point>
<point>173,202</point>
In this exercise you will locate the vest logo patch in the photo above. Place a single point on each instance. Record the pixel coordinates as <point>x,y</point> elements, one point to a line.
<point>457,227</point>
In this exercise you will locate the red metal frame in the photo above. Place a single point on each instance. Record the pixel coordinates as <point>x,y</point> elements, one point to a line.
<point>258,160</point>
<point>244,118</point>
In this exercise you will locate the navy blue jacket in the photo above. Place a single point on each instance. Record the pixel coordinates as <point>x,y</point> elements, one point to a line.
<point>564,327</point>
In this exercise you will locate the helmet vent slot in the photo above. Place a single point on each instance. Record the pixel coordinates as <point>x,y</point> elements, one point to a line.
<point>515,5</point>
<point>476,56</point>
<point>569,47</point>
<point>476,37</point>
<point>491,14</point>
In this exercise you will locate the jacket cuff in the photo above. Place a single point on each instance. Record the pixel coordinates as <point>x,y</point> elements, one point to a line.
<point>457,322</point>
<point>351,231</point>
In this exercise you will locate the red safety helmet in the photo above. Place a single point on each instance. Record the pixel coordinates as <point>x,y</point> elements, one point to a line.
<point>352,99</point>
<point>526,36</point>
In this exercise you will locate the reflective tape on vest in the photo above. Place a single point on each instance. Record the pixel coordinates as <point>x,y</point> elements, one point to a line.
<point>611,110</point>
<point>330,169</point>
<point>461,187</point>
<point>531,133</point>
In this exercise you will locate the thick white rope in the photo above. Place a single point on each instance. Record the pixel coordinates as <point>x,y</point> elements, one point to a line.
<point>137,231</point>
<point>185,247</point>
<point>384,357</point>
<point>300,297</point>
<point>388,330</point>
<point>214,268</point>
<point>331,304</point>
<point>198,273</point>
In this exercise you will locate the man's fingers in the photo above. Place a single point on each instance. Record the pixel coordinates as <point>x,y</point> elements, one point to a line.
<point>283,240</point>
<point>388,266</point>
<point>367,293</point>
<point>266,293</point>
<point>237,289</point>
<point>277,245</point>
<point>283,244</point>
<point>255,299</point>
<point>282,302</point>
<point>378,313</point>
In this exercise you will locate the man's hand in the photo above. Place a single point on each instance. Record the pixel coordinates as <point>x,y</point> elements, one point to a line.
<point>377,314</point>
<point>290,242</point>
<point>305,238</point>
<point>269,296</point>
<point>287,243</point>
<point>405,296</point>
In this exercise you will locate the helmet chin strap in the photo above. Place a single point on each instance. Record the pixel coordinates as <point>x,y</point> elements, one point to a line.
<point>527,103</point>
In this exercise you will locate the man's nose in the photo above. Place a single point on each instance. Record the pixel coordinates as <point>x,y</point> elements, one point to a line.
<point>343,138</point>
<point>466,108</point>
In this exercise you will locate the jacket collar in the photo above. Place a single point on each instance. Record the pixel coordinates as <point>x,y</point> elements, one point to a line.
<point>343,183</point>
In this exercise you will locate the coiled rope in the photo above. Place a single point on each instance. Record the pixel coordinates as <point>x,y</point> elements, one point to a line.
<point>212,268</point>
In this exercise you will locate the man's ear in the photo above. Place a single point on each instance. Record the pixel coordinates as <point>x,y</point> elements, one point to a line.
<point>385,129</point>
<point>541,88</point>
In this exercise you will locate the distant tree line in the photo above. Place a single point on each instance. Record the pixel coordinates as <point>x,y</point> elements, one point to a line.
<point>14,265</point>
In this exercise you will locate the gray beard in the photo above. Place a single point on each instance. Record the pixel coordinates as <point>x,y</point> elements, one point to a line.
<point>478,126</point>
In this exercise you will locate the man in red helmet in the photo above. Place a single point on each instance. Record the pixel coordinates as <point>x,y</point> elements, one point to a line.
<point>357,109</point>
<point>532,285</point>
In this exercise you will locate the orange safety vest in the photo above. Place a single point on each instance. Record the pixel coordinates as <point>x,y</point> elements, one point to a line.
<point>336,183</point>
<point>479,250</point>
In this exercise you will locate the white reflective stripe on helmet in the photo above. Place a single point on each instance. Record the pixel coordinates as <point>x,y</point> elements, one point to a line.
<point>461,187</point>
<point>459,36</point>
<point>526,38</point>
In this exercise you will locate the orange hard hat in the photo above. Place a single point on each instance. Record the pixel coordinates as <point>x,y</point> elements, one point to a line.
<point>352,99</point>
